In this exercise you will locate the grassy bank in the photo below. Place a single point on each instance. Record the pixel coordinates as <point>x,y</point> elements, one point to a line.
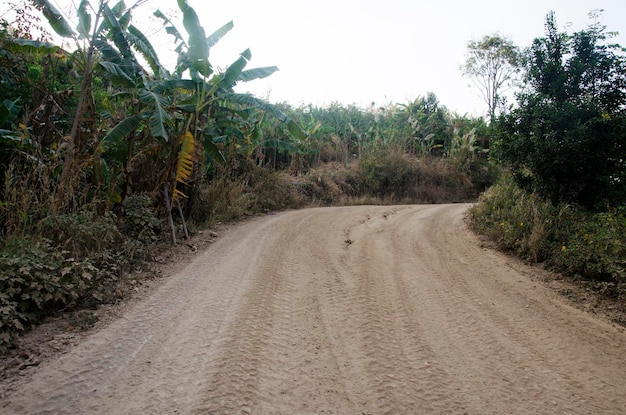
<point>568,239</point>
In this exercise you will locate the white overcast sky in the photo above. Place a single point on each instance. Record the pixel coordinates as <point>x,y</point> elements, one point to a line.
<point>363,51</point>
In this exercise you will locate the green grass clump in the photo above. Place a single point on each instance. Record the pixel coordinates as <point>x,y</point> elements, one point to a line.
<point>567,238</point>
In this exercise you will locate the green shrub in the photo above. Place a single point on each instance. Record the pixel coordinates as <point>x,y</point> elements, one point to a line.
<point>71,260</point>
<point>37,279</point>
<point>138,221</point>
<point>569,239</point>
<point>81,233</point>
<point>516,220</point>
<point>596,248</point>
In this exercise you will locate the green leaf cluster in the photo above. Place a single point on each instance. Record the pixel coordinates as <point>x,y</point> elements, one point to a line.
<point>566,139</point>
<point>37,279</point>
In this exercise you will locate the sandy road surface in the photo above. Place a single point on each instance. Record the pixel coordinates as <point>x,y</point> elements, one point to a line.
<point>358,310</point>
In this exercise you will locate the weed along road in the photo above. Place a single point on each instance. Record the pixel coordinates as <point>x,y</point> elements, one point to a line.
<point>351,310</point>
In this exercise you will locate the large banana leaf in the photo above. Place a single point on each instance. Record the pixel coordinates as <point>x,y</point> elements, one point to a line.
<point>55,18</point>
<point>212,150</point>
<point>116,32</point>
<point>118,75</point>
<point>159,115</point>
<point>198,47</point>
<point>218,34</point>
<point>124,128</point>
<point>170,29</point>
<point>257,73</point>
<point>33,47</point>
<point>234,71</point>
<point>120,8</point>
<point>141,43</point>
<point>108,53</point>
<point>84,19</point>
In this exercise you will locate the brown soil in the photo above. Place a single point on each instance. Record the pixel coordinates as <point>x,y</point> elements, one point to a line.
<point>354,310</point>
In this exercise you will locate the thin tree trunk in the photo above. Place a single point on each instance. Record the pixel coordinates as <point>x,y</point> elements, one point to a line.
<point>85,93</point>
<point>182,218</point>
<point>168,206</point>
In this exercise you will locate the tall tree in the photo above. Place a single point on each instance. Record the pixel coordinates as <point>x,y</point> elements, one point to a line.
<point>492,64</point>
<point>566,139</point>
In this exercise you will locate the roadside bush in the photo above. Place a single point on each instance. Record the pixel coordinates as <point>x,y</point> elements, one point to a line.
<point>400,177</point>
<point>272,191</point>
<point>139,221</point>
<point>597,249</point>
<point>140,229</point>
<point>38,278</point>
<point>221,200</point>
<point>516,220</point>
<point>81,233</point>
<point>569,239</point>
<point>70,260</point>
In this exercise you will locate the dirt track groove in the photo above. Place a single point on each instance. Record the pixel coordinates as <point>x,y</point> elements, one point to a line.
<point>355,310</point>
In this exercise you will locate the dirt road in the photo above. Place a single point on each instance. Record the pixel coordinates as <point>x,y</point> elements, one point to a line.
<point>356,310</point>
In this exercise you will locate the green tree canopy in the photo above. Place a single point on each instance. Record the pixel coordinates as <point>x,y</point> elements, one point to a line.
<point>567,137</point>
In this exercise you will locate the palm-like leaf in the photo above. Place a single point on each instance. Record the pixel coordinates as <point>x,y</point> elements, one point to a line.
<point>159,115</point>
<point>142,45</point>
<point>117,74</point>
<point>198,48</point>
<point>33,47</point>
<point>55,18</point>
<point>170,29</point>
<point>108,52</point>
<point>257,73</point>
<point>124,128</point>
<point>218,34</point>
<point>234,71</point>
<point>116,33</point>
<point>84,19</point>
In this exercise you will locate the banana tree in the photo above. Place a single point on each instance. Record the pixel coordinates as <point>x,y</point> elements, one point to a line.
<point>215,113</point>
<point>194,103</point>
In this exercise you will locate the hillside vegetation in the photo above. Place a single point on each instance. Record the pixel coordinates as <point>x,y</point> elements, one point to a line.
<point>106,156</point>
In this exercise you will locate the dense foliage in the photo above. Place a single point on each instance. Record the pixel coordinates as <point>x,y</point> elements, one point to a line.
<point>563,200</point>
<point>570,239</point>
<point>566,139</point>
<point>102,149</point>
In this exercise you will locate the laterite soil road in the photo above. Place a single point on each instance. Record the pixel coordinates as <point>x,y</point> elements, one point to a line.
<point>352,310</point>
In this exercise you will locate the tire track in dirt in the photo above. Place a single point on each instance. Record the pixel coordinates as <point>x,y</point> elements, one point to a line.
<point>355,310</point>
<point>151,360</point>
<point>387,354</point>
<point>517,335</point>
<point>275,351</point>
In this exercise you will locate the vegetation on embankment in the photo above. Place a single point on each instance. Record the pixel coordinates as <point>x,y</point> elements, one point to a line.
<point>569,239</point>
<point>105,153</point>
<point>105,156</point>
<point>563,200</point>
